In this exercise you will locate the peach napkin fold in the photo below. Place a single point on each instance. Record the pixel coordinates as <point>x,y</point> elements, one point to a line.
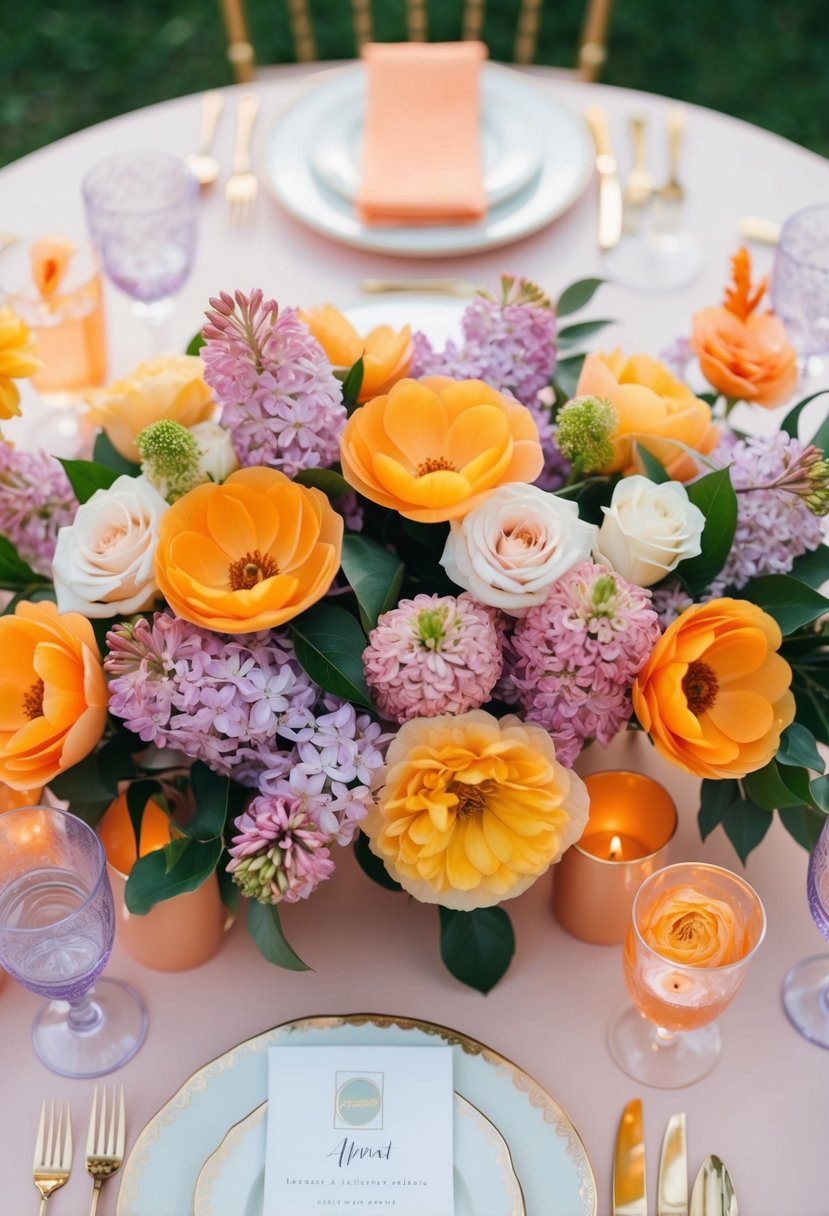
<point>421,158</point>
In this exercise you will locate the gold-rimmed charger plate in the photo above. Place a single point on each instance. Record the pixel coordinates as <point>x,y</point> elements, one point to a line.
<point>159,1175</point>
<point>232,1180</point>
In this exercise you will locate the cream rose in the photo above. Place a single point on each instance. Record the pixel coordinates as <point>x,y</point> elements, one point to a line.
<point>648,529</point>
<point>217,459</point>
<point>172,386</point>
<point>510,550</point>
<point>103,564</point>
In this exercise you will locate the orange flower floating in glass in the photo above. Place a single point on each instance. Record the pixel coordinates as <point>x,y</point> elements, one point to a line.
<point>249,554</point>
<point>653,409</point>
<point>745,354</point>
<point>387,354</point>
<point>433,449</point>
<point>714,694</point>
<point>472,809</point>
<point>53,694</point>
<point>17,359</point>
<point>693,929</point>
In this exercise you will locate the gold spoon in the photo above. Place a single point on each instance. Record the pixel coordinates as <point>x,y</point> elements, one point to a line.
<point>201,164</point>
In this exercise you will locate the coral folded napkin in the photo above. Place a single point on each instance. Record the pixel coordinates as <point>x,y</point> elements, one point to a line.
<point>421,157</point>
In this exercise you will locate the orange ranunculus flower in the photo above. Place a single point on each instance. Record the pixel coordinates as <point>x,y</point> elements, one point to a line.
<point>693,929</point>
<point>742,353</point>
<point>387,355</point>
<point>653,408</point>
<point>172,386</point>
<point>472,810</point>
<point>248,554</point>
<point>714,695</point>
<point>53,694</point>
<point>434,448</point>
<point>17,359</point>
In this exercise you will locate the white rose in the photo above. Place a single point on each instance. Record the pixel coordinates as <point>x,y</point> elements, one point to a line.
<point>648,529</point>
<point>217,459</point>
<point>511,549</point>
<point>103,564</point>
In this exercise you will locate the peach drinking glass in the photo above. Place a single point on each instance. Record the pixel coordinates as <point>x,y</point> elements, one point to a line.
<point>694,928</point>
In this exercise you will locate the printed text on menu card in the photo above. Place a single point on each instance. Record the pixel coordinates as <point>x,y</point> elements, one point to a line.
<point>359,1131</point>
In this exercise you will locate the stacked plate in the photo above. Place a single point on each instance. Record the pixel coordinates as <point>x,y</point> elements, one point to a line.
<point>516,1152</point>
<point>537,160</point>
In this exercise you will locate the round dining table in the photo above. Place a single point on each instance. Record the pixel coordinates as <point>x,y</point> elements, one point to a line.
<point>765,1107</point>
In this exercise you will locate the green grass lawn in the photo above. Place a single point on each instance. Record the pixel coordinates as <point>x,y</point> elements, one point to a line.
<point>65,64</point>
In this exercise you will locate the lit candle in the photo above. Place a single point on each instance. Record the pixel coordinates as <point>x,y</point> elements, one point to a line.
<point>632,819</point>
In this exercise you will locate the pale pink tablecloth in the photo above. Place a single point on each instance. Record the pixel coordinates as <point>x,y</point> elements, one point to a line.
<point>765,1109</point>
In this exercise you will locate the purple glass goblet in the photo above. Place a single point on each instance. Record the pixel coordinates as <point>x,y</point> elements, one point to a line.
<point>800,283</point>
<point>141,208</point>
<point>57,924</point>
<point>806,987</point>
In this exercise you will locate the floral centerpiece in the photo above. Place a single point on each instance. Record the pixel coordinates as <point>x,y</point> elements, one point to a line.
<point>315,589</point>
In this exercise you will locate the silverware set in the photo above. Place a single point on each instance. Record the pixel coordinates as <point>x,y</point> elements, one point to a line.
<point>105,1145</point>
<point>242,187</point>
<point>711,1195</point>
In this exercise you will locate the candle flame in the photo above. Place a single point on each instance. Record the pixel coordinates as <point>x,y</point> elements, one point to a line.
<point>615,849</point>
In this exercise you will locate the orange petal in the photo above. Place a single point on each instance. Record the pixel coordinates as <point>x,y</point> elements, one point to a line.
<point>742,716</point>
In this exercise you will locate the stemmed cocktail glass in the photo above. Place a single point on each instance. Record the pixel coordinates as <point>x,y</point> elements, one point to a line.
<point>806,987</point>
<point>57,924</point>
<point>694,929</point>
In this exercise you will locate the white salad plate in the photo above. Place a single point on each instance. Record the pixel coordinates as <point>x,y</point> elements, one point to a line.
<point>232,1180</point>
<point>160,1174</point>
<point>314,175</point>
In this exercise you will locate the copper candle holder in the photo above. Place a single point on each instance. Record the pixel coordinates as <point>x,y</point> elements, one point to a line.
<point>631,823</point>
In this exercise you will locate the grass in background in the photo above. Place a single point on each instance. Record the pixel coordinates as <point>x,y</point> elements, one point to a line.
<point>67,64</point>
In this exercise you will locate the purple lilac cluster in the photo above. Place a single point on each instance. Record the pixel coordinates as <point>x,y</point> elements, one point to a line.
<point>36,500</point>
<point>573,659</point>
<point>774,523</point>
<point>246,708</point>
<point>280,399</point>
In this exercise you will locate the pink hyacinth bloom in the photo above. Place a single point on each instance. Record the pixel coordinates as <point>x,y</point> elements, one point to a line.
<point>574,657</point>
<point>279,852</point>
<point>433,655</point>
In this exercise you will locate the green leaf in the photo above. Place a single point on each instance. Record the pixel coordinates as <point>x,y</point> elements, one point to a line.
<point>798,747</point>
<point>329,481</point>
<point>85,477</point>
<point>714,495</point>
<point>372,866</point>
<point>115,762</point>
<point>821,436</point>
<point>375,575</point>
<point>812,708</point>
<point>81,783</point>
<point>819,790</point>
<point>654,469</point>
<point>211,792</point>
<point>803,823</point>
<point>265,928</point>
<point>812,568</point>
<point>477,947</point>
<point>791,602</point>
<point>715,799</point>
<point>567,374</point>
<point>90,812</point>
<point>792,419</point>
<point>138,794</point>
<point>228,889</point>
<point>15,574</point>
<point>329,645</point>
<point>745,826</point>
<point>577,295</point>
<point>195,344</point>
<point>104,453</point>
<point>572,335</point>
<point>150,881</point>
<point>771,788</point>
<point>352,385</point>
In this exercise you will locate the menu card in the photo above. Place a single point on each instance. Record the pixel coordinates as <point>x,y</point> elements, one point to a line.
<point>359,1131</point>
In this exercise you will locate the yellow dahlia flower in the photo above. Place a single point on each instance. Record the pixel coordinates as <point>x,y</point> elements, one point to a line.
<point>472,809</point>
<point>17,359</point>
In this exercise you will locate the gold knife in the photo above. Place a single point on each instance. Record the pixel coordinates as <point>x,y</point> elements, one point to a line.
<point>713,1193</point>
<point>672,1186</point>
<point>629,1195</point>
<point>610,191</point>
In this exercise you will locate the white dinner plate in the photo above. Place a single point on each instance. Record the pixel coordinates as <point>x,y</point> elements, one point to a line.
<point>565,166</point>
<point>159,1176</point>
<point>232,1180</point>
<point>510,136</point>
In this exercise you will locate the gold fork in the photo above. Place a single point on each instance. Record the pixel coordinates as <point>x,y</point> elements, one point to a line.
<point>53,1153</point>
<point>105,1144</point>
<point>671,196</point>
<point>640,184</point>
<point>242,187</point>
